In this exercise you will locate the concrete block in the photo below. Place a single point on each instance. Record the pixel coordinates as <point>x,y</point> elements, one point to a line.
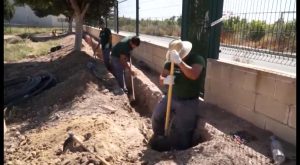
<point>243,97</point>
<point>209,73</point>
<point>272,108</point>
<point>249,115</point>
<point>292,117</point>
<point>250,79</point>
<point>207,86</point>
<point>209,97</point>
<point>265,84</point>
<point>281,130</point>
<point>237,77</point>
<point>159,50</point>
<point>157,60</point>
<point>226,70</point>
<point>222,93</point>
<point>216,70</point>
<point>285,90</point>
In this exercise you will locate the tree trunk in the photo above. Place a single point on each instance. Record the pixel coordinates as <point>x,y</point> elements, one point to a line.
<point>79,16</point>
<point>70,24</point>
<point>78,30</point>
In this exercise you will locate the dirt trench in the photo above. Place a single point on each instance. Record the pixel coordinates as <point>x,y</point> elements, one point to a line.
<point>91,107</point>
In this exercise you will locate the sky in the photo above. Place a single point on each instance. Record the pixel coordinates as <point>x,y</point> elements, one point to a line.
<point>161,9</point>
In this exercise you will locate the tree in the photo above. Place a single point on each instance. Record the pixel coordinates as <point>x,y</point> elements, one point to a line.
<point>77,9</point>
<point>9,10</point>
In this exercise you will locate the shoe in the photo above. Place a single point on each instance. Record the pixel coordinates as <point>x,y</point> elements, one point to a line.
<point>160,143</point>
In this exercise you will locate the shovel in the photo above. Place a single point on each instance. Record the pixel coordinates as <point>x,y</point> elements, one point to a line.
<point>169,102</point>
<point>162,143</point>
<point>132,97</point>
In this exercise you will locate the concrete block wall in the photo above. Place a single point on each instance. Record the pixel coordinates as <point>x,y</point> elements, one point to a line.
<point>151,54</point>
<point>265,98</point>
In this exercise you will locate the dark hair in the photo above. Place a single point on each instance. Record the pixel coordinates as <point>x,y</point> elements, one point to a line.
<point>136,40</point>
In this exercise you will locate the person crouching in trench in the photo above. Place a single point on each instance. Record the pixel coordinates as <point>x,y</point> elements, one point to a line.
<point>188,73</point>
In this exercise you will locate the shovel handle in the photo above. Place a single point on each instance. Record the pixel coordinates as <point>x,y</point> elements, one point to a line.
<point>169,102</point>
<point>132,86</point>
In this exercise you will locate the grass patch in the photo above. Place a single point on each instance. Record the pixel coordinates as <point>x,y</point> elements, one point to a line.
<point>21,50</point>
<point>26,31</point>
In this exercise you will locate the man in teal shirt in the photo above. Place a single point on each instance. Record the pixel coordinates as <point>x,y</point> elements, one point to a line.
<point>120,57</point>
<point>189,70</point>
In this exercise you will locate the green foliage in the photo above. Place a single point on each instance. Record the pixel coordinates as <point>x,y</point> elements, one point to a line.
<point>97,8</point>
<point>21,50</point>
<point>279,36</point>
<point>25,31</point>
<point>169,27</point>
<point>9,10</point>
<point>257,30</point>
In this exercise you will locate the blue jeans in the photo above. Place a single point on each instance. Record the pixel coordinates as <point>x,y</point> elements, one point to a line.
<point>106,59</point>
<point>183,121</point>
<point>118,72</point>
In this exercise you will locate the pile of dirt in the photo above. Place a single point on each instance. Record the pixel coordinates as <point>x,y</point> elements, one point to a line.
<point>108,125</point>
<point>80,103</point>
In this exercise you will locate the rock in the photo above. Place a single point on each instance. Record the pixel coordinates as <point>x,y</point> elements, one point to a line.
<point>18,162</point>
<point>10,150</point>
<point>17,133</point>
<point>8,146</point>
<point>105,91</point>
<point>57,161</point>
<point>109,159</point>
<point>66,161</point>
<point>9,162</point>
<point>87,136</point>
<point>21,137</point>
<point>33,153</point>
<point>58,152</point>
<point>13,128</point>
<point>83,159</point>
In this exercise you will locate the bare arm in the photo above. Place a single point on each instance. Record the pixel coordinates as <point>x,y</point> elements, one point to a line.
<point>191,72</point>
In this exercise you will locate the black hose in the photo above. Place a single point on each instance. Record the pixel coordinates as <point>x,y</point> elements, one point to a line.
<point>19,89</point>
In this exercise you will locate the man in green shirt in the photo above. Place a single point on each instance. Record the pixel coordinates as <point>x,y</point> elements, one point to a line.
<point>120,57</point>
<point>106,42</point>
<point>189,70</point>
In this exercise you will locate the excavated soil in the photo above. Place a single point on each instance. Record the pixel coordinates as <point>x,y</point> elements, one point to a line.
<point>108,125</point>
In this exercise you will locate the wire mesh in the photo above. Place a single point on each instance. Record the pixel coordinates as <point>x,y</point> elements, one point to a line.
<point>260,30</point>
<point>156,20</point>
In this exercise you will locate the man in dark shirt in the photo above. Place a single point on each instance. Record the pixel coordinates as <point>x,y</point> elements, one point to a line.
<point>189,70</point>
<point>120,57</point>
<point>106,43</point>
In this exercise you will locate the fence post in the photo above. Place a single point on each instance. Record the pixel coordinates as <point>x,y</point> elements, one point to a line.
<point>137,18</point>
<point>216,8</point>
<point>197,16</point>
<point>116,17</point>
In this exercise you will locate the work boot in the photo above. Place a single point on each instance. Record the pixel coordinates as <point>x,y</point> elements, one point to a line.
<point>160,143</point>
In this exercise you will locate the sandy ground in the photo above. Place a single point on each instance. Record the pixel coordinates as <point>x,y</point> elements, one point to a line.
<point>108,126</point>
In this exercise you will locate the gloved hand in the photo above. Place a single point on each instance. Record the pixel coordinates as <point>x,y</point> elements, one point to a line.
<point>169,80</point>
<point>174,57</point>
